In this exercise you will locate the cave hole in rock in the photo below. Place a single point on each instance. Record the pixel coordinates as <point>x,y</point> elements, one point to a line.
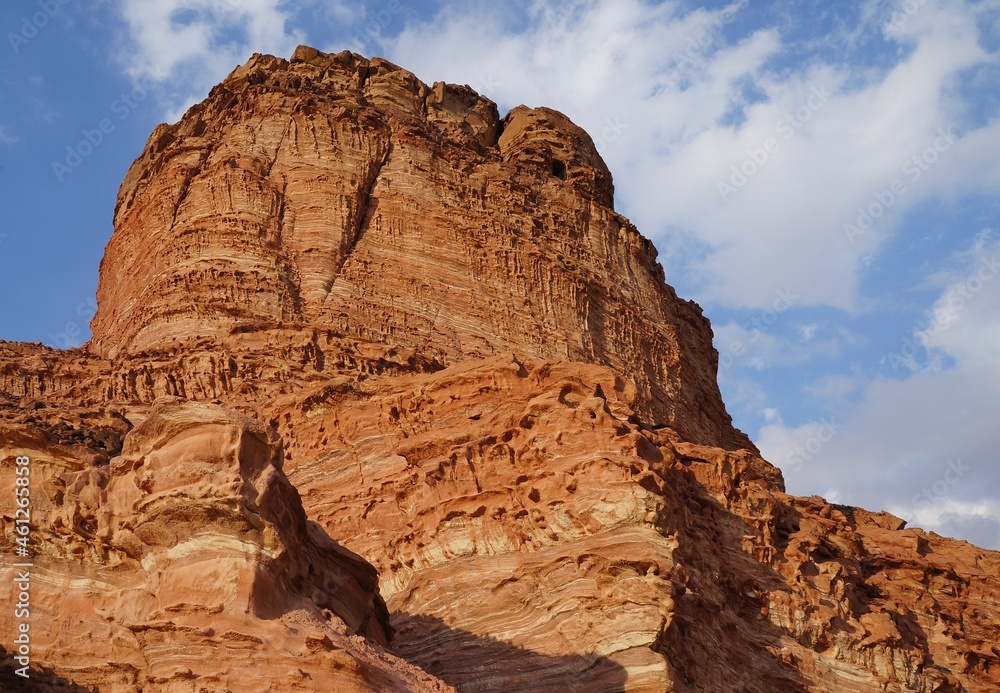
<point>559,169</point>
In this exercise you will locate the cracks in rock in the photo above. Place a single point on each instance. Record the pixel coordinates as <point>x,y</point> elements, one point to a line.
<point>367,205</point>
<point>472,468</point>
<point>315,136</point>
<point>281,141</point>
<point>132,628</point>
<point>189,175</point>
<point>353,452</point>
<point>288,271</point>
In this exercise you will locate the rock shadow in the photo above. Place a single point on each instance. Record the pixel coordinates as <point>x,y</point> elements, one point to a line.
<point>471,662</point>
<point>40,680</point>
<point>726,610</point>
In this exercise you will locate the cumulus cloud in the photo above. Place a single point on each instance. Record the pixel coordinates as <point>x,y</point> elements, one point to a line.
<point>756,161</point>
<point>187,46</point>
<point>762,161</point>
<point>757,168</point>
<point>924,447</point>
<point>835,388</point>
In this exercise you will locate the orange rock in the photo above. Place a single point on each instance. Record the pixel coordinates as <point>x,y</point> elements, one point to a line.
<point>478,384</point>
<point>189,556</point>
<point>339,195</point>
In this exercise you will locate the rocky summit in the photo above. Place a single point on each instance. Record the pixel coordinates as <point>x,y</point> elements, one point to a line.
<point>384,395</point>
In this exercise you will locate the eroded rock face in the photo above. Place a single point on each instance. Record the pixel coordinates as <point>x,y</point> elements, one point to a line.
<point>187,558</point>
<point>431,318</point>
<point>523,523</point>
<point>342,195</point>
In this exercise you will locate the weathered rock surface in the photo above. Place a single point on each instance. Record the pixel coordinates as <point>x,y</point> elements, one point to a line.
<point>190,548</point>
<point>341,195</point>
<point>517,500</point>
<point>475,378</point>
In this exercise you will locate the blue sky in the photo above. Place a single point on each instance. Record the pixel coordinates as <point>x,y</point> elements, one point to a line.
<point>823,177</point>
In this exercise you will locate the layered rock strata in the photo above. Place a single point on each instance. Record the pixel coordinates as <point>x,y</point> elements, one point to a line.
<point>342,195</point>
<point>431,318</point>
<point>190,549</point>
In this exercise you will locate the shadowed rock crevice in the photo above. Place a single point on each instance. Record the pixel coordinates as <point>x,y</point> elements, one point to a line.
<point>368,208</point>
<point>40,679</point>
<point>188,557</point>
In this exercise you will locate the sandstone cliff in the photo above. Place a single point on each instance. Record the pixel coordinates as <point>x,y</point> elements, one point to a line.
<point>384,395</point>
<point>342,196</point>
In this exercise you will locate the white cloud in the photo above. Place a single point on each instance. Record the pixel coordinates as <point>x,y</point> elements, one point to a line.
<point>824,143</point>
<point>190,45</point>
<point>676,100</point>
<point>5,138</point>
<point>745,346</point>
<point>925,447</point>
<point>835,388</point>
<point>839,134</point>
<point>760,343</point>
<point>964,322</point>
<point>948,511</point>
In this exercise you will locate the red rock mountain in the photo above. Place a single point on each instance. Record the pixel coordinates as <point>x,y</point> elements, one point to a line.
<point>383,395</point>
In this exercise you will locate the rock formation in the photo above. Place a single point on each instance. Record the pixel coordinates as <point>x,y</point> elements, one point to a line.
<point>342,196</point>
<point>192,540</point>
<point>508,463</point>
